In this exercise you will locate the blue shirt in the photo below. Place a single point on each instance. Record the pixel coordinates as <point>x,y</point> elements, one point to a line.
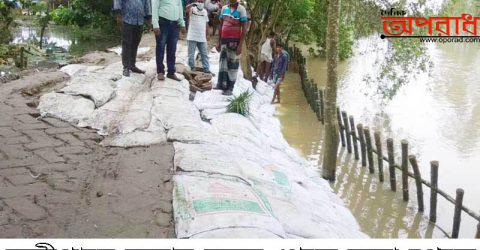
<point>134,12</point>
<point>280,64</point>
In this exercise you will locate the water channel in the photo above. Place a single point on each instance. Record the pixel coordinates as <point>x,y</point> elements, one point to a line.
<point>436,110</point>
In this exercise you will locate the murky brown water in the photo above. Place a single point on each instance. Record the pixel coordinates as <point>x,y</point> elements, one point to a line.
<point>436,110</point>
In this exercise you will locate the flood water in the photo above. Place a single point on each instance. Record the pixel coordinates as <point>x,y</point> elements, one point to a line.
<point>437,110</point>
<point>64,42</point>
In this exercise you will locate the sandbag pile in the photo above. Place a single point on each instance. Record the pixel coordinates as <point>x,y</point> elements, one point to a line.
<point>235,177</point>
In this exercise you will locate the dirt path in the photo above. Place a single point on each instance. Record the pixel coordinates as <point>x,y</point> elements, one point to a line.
<point>56,181</point>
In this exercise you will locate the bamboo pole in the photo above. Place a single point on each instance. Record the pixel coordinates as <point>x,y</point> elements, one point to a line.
<point>340,127</point>
<point>348,135</point>
<point>433,190</point>
<point>418,181</point>
<point>457,217</point>
<point>378,146</point>
<point>361,137</point>
<point>391,165</point>
<point>404,144</point>
<point>368,140</point>
<point>354,137</point>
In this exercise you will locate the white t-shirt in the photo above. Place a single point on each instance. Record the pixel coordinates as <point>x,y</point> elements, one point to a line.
<point>197,25</point>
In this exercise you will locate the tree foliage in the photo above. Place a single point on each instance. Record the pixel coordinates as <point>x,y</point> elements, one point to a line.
<point>6,20</point>
<point>92,13</point>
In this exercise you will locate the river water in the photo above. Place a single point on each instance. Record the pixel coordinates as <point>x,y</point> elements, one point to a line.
<point>436,109</point>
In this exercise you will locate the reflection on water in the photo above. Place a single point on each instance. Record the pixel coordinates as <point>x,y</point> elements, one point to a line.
<point>63,39</point>
<point>436,110</point>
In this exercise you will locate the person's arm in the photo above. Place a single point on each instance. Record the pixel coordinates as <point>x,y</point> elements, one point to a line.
<point>147,4</point>
<point>244,22</point>
<point>284,66</point>
<point>206,24</point>
<point>220,16</point>
<point>156,26</point>
<point>181,21</point>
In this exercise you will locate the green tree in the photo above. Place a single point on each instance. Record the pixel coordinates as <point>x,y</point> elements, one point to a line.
<point>6,20</point>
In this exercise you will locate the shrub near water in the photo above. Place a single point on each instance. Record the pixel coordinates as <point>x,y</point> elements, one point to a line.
<point>240,104</point>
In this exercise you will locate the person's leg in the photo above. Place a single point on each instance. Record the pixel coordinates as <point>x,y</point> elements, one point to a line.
<point>260,72</point>
<point>192,45</point>
<point>223,69</point>
<point>127,40</point>
<point>202,48</point>
<point>161,41</point>
<point>268,67</point>
<point>172,47</point>
<point>233,65</point>
<point>136,42</point>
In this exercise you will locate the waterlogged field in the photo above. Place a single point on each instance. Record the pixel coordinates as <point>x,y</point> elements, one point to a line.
<point>434,106</point>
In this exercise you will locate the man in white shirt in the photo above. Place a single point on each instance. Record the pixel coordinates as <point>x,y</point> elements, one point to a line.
<point>197,34</point>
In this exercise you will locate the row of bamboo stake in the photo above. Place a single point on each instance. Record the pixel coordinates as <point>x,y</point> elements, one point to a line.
<point>358,139</point>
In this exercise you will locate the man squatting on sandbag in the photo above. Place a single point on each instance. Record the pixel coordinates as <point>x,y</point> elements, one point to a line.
<point>132,14</point>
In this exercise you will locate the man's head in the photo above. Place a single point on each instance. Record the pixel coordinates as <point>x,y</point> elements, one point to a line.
<point>279,48</point>
<point>233,2</point>
<point>200,1</point>
<point>271,34</point>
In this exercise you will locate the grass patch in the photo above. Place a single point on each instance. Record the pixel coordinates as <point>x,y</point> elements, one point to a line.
<point>240,104</point>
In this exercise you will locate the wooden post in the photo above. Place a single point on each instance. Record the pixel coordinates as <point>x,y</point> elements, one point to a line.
<point>361,137</point>
<point>405,170</point>
<point>322,105</point>
<point>378,146</point>
<point>418,181</point>
<point>433,190</point>
<point>348,135</point>
<point>477,235</point>
<point>368,140</point>
<point>354,137</point>
<point>457,217</point>
<point>317,111</point>
<point>340,127</point>
<point>391,165</point>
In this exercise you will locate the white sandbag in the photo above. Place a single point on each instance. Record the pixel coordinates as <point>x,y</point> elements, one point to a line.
<point>135,139</point>
<point>193,134</point>
<point>174,112</point>
<point>237,233</point>
<point>235,126</point>
<point>118,50</point>
<point>100,93</point>
<point>210,100</point>
<point>203,204</point>
<point>73,109</point>
<point>206,158</point>
<point>209,114</point>
<point>73,69</point>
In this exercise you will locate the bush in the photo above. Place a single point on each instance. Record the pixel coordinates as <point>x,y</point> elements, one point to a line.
<point>63,16</point>
<point>94,14</point>
<point>240,104</point>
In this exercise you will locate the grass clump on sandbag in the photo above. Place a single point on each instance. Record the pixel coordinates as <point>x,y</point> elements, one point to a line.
<point>240,104</point>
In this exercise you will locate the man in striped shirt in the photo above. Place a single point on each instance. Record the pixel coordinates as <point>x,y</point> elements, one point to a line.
<point>233,28</point>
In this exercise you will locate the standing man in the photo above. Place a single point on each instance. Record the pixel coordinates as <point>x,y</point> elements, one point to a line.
<point>279,68</point>
<point>197,34</point>
<point>134,13</point>
<point>167,18</point>
<point>266,57</point>
<point>233,28</point>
